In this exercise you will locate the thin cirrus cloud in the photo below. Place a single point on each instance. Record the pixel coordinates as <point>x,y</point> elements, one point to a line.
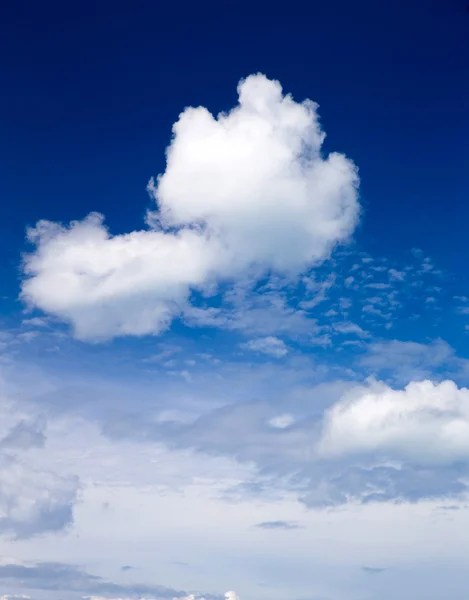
<point>246,191</point>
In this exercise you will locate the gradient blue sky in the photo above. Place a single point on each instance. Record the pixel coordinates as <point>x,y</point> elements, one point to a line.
<point>254,378</point>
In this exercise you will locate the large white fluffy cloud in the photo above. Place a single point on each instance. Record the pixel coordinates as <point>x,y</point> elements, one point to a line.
<point>424,424</point>
<point>246,190</point>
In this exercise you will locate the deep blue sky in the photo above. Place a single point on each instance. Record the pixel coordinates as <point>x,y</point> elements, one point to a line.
<point>90,91</point>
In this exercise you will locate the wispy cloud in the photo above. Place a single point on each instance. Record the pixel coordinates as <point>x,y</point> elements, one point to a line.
<point>270,345</point>
<point>278,525</point>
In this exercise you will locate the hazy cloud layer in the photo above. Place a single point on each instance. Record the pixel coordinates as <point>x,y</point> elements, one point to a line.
<point>33,500</point>
<point>374,444</point>
<point>75,582</point>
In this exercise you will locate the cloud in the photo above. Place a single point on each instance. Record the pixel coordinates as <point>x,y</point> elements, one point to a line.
<point>245,191</point>
<point>33,500</point>
<point>424,424</point>
<point>24,435</point>
<point>373,570</point>
<point>260,313</point>
<point>278,525</point>
<point>270,345</point>
<point>366,443</point>
<point>62,577</point>
<point>348,328</point>
<point>282,421</point>
<point>395,275</point>
<point>402,362</point>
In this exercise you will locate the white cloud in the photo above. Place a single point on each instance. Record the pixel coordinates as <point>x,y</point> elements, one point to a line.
<point>395,275</point>
<point>425,424</point>
<point>268,345</point>
<point>246,190</point>
<point>403,362</point>
<point>348,328</point>
<point>282,421</point>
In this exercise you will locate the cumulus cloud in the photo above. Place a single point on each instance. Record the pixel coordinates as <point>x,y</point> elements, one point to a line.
<point>425,424</point>
<point>269,345</point>
<point>246,190</point>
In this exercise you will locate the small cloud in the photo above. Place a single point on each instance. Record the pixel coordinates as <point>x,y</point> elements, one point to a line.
<point>395,275</point>
<point>323,341</point>
<point>349,328</point>
<point>278,525</point>
<point>166,352</point>
<point>270,345</point>
<point>27,336</point>
<point>345,303</point>
<point>378,286</point>
<point>282,421</point>
<point>35,322</point>
<point>373,570</point>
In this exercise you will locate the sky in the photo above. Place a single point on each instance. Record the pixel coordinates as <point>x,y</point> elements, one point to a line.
<point>234,305</point>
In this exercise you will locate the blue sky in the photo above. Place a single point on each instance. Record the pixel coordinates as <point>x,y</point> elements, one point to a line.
<point>234,307</point>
